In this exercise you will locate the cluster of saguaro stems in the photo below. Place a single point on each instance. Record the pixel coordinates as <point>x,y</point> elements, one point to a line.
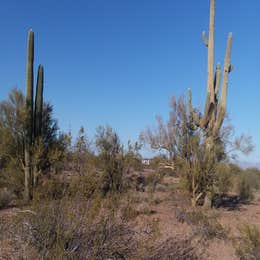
<point>33,112</point>
<point>214,112</point>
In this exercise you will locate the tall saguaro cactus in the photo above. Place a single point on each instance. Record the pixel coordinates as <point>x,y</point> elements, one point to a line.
<point>33,118</point>
<point>215,109</point>
<point>29,116</point>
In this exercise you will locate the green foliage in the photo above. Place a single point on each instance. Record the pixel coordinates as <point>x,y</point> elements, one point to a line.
<point>81,152</point>
<point>244,189</point>
<point>48,151</point>
<point>110,159</point>
<point>252,176</point>
<point>85,186</point>
<point>133,158</point>
<point>224,179</point>
<point>248,247</point>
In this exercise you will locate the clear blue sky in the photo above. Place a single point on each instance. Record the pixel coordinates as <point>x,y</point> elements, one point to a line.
<point>118,62</point>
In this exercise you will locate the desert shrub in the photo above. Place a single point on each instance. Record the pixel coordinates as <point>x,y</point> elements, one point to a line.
<point>76,229</point>
<point>110,159</point>
<point>252,176</point>
<point>223,179</point>
<point>12,177</point>
<point>204,226</point>
<point>248,247</point>
<point>244,189</point>
<point>6,197</point>
<point>51,189</point>
<point>85,186</point>
<point>157,161</point>
<point>133,158</point>
<point>153,179</point>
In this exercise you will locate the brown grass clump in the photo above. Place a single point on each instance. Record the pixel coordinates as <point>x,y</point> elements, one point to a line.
<point>204,226</point>
<point>248,247</point>
<point>174,249</point>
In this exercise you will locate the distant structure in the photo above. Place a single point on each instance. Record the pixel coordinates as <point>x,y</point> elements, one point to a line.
<point>146,161</point>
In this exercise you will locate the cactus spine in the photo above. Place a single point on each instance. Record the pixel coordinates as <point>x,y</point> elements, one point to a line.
<point>215,110</point>
<point>33,118</point>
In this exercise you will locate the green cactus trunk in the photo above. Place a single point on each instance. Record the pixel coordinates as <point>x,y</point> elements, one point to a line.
<point>29,118</point>
<point>33,121</point>
<point>38,120</point>
<point>215,109</point>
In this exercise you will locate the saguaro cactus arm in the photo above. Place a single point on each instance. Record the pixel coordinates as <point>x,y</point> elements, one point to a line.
<point>204,39</point>
<point>223,102</point>
<point>38,103</point>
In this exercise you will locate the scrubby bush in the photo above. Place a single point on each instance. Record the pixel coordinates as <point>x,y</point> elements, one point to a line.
<point>248,247</point>
<point>110,159</point>
<point>205,226</point>
<point>152,180</point>
<point>252,177</point>
<point>51,189</point>
<point>75,229</point>
<point>85,186</point>
<point>223,179</point>
<point>5,198</point>
<point>244,189</point>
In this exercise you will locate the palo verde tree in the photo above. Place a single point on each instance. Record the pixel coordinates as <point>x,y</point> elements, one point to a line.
<point>50,151</point>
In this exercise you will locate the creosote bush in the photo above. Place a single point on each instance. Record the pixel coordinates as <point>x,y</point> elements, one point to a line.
<point>77,229</point>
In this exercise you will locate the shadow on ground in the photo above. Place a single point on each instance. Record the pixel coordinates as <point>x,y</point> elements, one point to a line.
<point>229,202</point>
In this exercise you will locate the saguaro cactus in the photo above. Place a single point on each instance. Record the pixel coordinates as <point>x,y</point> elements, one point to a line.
<point>33,119</point>
<point>29,117</point>
<point>215,109</point>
